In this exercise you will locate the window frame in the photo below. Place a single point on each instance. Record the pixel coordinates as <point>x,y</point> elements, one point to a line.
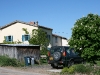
<point>25,36</point>
<point>9,38</point>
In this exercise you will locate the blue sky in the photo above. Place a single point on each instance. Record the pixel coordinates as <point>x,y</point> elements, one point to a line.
<point>60,15</point>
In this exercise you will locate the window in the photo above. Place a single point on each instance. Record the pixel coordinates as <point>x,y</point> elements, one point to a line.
<point>48,36</point>
<point>73,52</point>
<point>25,37</point>
<point>9,38</point>
<point>54,49</point>
<point>56,39</point>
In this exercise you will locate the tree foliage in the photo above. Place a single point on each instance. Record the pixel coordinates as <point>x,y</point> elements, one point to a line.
<point>39,37</point>
<point>25,29</point>
<point>86,37</point>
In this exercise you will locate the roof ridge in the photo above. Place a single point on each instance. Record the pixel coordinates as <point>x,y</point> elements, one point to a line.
<point>17,21</point>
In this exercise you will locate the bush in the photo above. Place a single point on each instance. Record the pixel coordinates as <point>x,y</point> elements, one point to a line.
<point>71,70</point>
<point>64,70</point>
<point>43,61</point>
<point>98,63</point>
<point>43,51</point>
<point>97,72</point>
<point>79,68</point>
<point>67,70</point>
<point>6,61</point>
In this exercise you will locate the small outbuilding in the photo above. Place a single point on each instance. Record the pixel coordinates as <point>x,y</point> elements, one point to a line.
<point>19,51</point>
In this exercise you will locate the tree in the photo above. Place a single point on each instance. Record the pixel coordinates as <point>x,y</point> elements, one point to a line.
<point>86,37</point>
<point>39,37</point>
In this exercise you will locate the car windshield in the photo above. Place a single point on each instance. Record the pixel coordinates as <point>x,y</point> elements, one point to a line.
<point>54,49</point>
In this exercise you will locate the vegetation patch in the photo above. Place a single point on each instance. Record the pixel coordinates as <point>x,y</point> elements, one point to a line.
<point>81,69</point>
<point>6,61</point>
<point>85,37</point>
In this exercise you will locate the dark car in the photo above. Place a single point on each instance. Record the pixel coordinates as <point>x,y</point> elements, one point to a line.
<point>63,55</point>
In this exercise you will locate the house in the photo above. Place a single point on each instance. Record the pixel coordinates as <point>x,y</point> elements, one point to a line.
<point>13,31</point>
<point>59,40</point>
<point>19,51</point>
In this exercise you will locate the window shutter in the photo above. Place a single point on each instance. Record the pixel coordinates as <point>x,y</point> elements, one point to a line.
<point>6,38</point>
<point>22,37</point>
<point>28,37</point>
<point>11,38</point>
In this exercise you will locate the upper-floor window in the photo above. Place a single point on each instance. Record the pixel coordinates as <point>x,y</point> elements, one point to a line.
<point>48,36</point>
<point>9,38</point>
<point>56,39</point>
<point>25,37</point>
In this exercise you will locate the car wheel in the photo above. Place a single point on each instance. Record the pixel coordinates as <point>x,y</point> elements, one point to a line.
<point>70,63</point>
<point>54,65</point>
<point>56,56</point>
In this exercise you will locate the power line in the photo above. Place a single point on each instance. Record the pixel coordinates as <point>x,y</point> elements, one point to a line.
<point>61,32</point>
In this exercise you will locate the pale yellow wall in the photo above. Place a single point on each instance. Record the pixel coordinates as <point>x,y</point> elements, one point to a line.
<point>16,31</point>
<point>59,42</point>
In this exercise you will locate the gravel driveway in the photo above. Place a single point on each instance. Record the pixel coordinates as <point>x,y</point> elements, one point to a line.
<point>6,71</point>
<point>35,70</point>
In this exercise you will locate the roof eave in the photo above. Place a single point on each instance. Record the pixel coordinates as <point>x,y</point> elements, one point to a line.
<point>59,36</point>
<point>44,27</point>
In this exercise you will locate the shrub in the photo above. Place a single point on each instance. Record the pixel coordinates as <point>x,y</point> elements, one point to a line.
<point>68,70</point>
<point>64,70</point>
<point>43,61</point>
<point>80,68</point>
<point>98,63</point>
<point>71,69</point>
<point>43,51</point>
<point>6,61</point>
<point>97,72</point>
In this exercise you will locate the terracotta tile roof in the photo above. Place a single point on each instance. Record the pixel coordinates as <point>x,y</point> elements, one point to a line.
<point>22,23</point>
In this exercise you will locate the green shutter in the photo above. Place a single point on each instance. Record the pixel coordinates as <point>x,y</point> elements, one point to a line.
<point>22,37</point>
<point>11,38</point>
<point>6,38</point>
<point>28,37</point>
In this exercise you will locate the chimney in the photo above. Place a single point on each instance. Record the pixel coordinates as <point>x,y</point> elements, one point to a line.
<point>31,23</point>
<point>36,23</point>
